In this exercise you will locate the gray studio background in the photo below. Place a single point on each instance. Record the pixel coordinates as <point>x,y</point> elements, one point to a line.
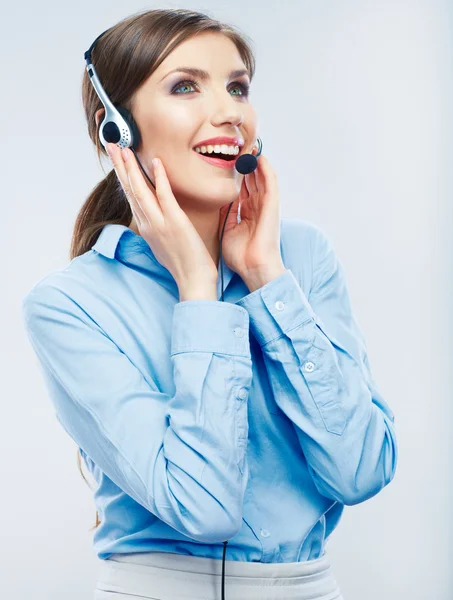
<point>354,101</point>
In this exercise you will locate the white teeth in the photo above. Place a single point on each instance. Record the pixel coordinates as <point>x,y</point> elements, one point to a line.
<point>222,148</point>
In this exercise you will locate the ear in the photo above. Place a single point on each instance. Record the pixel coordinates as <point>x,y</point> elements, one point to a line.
<point>99,114</point>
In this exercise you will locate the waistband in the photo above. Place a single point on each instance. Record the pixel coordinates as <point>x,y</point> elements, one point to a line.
<point>167,575</point>
<point>234,568</point>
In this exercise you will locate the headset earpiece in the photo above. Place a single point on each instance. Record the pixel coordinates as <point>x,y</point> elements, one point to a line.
<point>125,130</point>
<point>134,132</point>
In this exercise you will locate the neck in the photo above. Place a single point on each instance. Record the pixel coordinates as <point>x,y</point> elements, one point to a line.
<point>207,227</point>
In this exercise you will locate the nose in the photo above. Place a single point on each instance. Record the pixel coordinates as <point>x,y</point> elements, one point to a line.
<point>227,110</point>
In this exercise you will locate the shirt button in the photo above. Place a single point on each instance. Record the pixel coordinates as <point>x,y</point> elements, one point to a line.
<point>265,533</point>
<point>242,393</point>
<point>308,367</point>
<point>239,332</point>
<point>279,305</point>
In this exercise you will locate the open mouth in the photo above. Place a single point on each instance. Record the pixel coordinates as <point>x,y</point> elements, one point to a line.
<point>219,155</point>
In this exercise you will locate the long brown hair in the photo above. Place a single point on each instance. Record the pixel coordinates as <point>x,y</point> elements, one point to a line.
<point>124,57</point>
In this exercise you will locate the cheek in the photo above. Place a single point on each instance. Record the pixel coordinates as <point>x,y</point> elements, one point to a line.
<point>177,119</point>
<point>250,121</point>
<point>178,173</point>
<point>170,138</point>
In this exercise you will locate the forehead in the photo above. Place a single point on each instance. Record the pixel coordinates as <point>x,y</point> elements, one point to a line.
<point>209,50</point>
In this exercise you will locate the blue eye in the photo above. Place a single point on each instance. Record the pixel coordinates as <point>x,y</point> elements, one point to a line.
<point>244,87</point>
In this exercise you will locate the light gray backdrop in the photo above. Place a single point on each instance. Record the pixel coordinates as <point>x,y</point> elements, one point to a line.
<point>354,99</point>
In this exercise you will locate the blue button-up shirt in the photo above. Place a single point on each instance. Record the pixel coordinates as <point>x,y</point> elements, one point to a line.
<point>254,419</point>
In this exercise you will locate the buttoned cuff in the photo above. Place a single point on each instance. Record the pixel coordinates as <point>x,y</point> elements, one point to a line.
<point>277,307</point>
<point>210,326</point>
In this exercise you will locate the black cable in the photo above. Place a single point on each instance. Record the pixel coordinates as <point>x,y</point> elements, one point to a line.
<point>223,570</point>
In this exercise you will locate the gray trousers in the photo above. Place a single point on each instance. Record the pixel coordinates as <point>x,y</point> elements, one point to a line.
<point>170,576</point>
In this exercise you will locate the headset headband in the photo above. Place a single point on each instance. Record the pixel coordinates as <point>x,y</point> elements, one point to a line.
<point>118,125</point>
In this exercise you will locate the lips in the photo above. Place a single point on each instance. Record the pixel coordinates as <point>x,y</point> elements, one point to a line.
<point>226,161</point>
<point>222,139</point>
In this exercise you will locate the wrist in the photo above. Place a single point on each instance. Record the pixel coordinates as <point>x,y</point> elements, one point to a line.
<point>198,291</point>
<point>259,277</point>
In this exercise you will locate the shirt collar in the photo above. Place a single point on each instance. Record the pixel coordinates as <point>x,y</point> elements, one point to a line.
<point>109,238</point>
<point>131,243</point>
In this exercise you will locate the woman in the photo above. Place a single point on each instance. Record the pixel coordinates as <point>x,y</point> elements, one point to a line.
<point>210,427</point>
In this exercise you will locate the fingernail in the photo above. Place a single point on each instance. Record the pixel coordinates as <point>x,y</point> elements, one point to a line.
<point>125,152</point>
<point>155,162</point>
<point>109,150</point>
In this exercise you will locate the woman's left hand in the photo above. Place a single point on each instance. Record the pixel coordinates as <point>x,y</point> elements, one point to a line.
<point>253,245</point>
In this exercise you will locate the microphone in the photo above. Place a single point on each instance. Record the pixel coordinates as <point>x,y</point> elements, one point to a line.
<point>247,163</point>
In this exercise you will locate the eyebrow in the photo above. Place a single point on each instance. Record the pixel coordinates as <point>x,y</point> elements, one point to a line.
<point>203,75</point>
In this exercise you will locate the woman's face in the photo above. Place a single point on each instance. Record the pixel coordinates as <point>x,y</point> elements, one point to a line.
<point>175,111</point>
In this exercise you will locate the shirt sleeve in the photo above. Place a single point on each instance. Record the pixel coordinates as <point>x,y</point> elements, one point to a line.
<point>183,456</point>
<point>317,363</point>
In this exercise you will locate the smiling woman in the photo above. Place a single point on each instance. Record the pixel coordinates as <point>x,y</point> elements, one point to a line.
<point>155,390</point>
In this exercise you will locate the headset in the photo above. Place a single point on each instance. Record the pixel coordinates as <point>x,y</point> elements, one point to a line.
<point>119,127</point>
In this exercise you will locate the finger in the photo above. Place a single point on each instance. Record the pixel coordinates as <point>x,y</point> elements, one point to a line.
<point>243,192</point>
<point>266,176</point>
<point>255,172</point>
<point>142,193</point>
<point>248,184</point>
<point>260,177</point>
<point>165,196</point>
<point>255,181</point>
<point>120,169</point>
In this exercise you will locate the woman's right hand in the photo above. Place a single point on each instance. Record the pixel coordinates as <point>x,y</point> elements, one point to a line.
<point>163,224</point>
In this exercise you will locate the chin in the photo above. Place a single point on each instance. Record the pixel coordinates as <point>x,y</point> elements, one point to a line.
<point>225,192</point>
<point>208,195</point>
